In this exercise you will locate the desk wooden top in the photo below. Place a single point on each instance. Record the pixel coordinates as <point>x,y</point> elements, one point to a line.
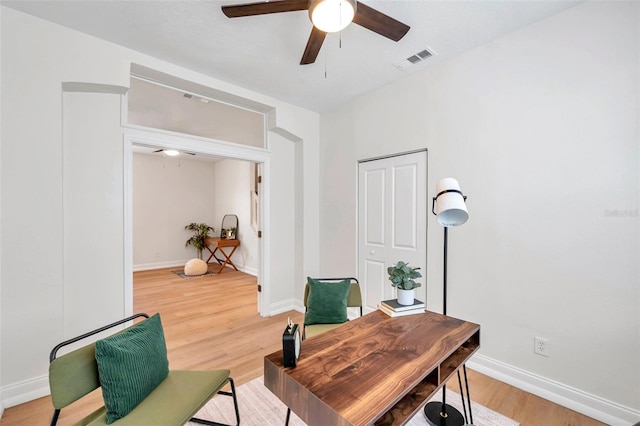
<point>373,370</point>
<point>221,242</point>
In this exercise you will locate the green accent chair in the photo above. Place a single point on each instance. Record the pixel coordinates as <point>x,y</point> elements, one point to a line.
<point>173,402</point>
<point>354,300</point>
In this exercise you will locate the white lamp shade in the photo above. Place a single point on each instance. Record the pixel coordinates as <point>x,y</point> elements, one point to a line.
<point>332,16</point>
<point>450,208</point>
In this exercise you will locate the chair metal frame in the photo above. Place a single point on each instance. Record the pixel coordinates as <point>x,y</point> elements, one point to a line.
<point>54,353</point>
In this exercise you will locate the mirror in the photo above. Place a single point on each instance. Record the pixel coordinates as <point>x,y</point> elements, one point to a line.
<point>229,227</point>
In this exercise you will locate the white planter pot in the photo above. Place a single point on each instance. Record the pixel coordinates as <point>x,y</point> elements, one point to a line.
<point>406,297</point>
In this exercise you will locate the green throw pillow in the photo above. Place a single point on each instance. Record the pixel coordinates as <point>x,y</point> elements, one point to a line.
<point>130,365</point>
<point>327,302</point>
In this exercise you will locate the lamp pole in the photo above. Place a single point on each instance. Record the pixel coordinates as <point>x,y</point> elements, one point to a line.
<point>451,212</point>
<point>440,413</point>
<point>444,277</point>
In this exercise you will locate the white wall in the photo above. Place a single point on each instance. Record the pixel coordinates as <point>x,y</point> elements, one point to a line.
<point>232,184</point>
<point>283,236</point>
<point>92,230</point>
<point>37,58</point>
<point>1,402</point>
<point>169,193</point>
<point>541,129</point>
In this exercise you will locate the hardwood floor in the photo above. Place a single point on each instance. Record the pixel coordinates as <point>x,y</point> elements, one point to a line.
<point>212,322</point>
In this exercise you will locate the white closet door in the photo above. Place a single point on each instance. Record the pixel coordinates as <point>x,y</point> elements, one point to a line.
<point>392,222</point>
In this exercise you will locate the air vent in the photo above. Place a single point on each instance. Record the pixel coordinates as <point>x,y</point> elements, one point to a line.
<point>413,59</point>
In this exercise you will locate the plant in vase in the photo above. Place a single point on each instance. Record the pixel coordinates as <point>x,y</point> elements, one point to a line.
<point>231,233</point>
<point>402,276</point>
<point>200,232</point>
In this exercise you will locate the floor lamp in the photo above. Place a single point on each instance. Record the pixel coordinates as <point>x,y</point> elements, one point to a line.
<point>450,210</point>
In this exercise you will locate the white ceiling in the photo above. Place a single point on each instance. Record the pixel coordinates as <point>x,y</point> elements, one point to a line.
<point>262,53</point>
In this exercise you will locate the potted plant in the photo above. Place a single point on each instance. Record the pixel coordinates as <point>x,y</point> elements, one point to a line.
<point>402,277</point>
<point>231,233</point>
<point>200,232</point>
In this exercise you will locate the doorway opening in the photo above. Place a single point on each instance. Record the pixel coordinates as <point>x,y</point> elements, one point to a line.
<point>210,123</point>
<point>210,152</point>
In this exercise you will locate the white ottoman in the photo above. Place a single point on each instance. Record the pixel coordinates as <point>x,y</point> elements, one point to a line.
<point>196,267</point>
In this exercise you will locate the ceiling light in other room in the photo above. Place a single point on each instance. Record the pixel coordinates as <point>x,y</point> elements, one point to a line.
<point>332,16</point>
<point>171,152</point>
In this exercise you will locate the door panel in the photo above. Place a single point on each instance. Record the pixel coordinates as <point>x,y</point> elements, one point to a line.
<point>404,207</point>
<point>375,278</point>
<point>392,222</point>
<point>374,200</point>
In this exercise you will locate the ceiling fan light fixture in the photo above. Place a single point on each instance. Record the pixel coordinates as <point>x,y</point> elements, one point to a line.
<point>331,16</point>
<point>171,152</point>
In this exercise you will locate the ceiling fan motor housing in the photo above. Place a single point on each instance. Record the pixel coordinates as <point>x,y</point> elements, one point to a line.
<point>331,16</point>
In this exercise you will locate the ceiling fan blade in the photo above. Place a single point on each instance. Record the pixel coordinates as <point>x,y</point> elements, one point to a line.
<point>379,23</point>
<point>264,7</point>
<point>313,46</point>
<point>158,150</point>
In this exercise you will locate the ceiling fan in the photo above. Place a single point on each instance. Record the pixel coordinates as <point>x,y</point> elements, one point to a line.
<point>326,16</point>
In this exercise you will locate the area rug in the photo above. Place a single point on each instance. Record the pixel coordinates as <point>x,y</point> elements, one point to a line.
<point>259,407</point>
<point>181,274</point>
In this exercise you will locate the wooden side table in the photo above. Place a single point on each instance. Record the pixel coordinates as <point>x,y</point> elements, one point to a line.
<point>218,244</point>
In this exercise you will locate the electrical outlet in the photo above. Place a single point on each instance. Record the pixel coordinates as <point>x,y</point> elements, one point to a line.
<point>541,346</point>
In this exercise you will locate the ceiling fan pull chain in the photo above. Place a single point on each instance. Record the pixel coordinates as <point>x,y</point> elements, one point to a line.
<point>325,65</point>
<point>340,35</point>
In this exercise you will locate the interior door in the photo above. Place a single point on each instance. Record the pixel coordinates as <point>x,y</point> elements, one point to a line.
<point>392,222</point>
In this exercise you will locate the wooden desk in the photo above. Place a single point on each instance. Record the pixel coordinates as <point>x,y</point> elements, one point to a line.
<point>372,370</point>
<point>218,244</point>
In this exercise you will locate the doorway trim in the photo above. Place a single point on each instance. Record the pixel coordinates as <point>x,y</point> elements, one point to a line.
<point>136,136</point>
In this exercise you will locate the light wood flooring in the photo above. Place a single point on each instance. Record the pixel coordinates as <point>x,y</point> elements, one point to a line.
<point>212,322</point>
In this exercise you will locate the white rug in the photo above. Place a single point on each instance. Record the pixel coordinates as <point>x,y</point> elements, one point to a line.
<point>259,407</point>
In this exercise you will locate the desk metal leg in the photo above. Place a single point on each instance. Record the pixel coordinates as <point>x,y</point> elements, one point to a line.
<point>286,422</point>
<point>466,383</point>
<point>443,414</point>
<point>464,405</point>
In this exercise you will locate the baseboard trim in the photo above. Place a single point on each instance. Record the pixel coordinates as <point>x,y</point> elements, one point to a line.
<point>180,263</point>
<point>590,405</point>
<point>25,391</point>
<point>280,307</point>
<point>248,270</point>
<point>159,265</point>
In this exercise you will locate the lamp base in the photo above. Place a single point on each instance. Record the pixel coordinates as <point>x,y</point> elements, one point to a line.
<point>435,416</point>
